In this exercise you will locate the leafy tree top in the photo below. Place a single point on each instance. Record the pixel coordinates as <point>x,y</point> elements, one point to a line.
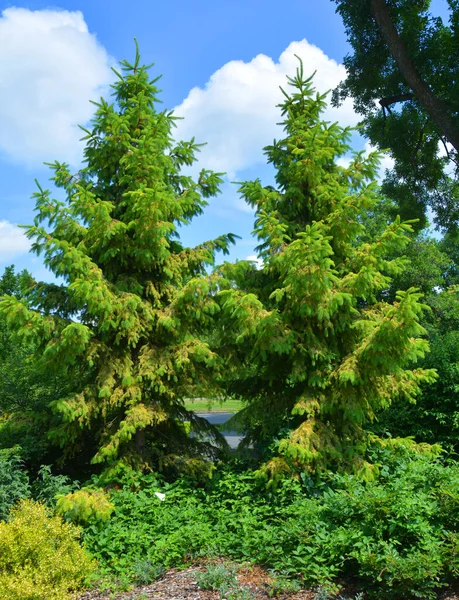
<point>13,283</point>
<point>133,296</point>
<point>317,352</point>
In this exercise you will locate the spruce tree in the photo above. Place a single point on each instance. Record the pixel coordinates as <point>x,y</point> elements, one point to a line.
<point>125,322</point>
<point>25,390</point>
<point>315,352</point>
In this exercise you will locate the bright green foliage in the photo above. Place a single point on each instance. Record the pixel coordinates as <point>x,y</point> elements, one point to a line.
<point>40,557</point>
<point>123,325</point>
<point>321,353</point>
<point>85,506</point>
<point>395,537</point>
<point>281,586</point>
<point>433,269</point>
<point>435,416</point>
<point>25,389</point>
<point>421,178</point>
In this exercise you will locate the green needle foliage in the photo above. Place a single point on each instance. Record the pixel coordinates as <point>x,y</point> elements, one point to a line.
<point>317,351</point>
<point>25,389</point>
<point>124,323</point>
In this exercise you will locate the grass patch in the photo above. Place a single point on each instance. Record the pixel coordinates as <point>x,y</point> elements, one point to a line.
<point>210,405</point>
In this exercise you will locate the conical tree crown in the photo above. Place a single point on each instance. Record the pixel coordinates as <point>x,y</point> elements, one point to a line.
<point>133,300</point>
<point>321,354</point>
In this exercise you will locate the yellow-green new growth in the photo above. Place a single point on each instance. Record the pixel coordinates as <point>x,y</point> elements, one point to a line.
<point>84,506</point>
<point>40,556</point>
<point>317,351</point>
<point>126,319</point>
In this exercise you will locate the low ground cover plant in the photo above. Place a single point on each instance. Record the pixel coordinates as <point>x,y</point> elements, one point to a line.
<point>396,535</point>
<point>222,578</point>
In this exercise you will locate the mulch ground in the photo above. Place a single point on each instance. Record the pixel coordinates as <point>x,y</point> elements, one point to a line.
<point>182,585</point>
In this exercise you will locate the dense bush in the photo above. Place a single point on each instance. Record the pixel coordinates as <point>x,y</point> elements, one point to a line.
<point>25,389</point>
<point>40,557</point>
<point>435,416</point>
<point>15,483</point>
<point>47,487</point>
<point>397,535</point>
<point>84,506</point>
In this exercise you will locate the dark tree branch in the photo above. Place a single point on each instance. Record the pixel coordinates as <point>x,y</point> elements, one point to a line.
<point>419,144</point>
<point>387,102</point>
<point>450,156</point>
<point>446,148</point>
<point>436,108</point>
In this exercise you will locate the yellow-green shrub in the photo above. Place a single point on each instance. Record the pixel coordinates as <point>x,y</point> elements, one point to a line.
<point>85,505</point>
<point>40,556</point>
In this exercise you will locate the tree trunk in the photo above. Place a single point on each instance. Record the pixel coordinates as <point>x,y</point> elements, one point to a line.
<point>140,441</point>
<point>388,101</point>
<point>437,109</point>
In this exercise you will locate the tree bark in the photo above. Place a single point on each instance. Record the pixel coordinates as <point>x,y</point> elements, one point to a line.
<point>387,102</point>
<point>436,108</point>
<point>140,441</point>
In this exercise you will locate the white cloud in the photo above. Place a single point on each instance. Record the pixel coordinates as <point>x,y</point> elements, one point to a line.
<point>236,112</point>
<point>258,261</point>
<point>386,160</point>
<point>450,167</point>
<point>13,241</point>
<point>50,67</point>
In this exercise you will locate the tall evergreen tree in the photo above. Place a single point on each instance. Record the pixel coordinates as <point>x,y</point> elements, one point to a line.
<point>125,322</point>
<point>317,353</point>
<point>25,390</point>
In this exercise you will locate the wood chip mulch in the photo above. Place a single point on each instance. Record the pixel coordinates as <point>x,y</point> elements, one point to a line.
<point>182,585</point>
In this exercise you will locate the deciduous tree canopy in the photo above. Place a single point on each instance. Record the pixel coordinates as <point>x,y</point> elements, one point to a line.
<point>403,78</point>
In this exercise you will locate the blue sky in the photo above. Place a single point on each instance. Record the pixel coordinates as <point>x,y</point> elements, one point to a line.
<point>222,63</point>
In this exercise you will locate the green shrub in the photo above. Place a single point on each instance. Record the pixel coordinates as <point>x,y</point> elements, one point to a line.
<point>14,481</point>
<point>47,486</point>
<point>222,578</point>
<point>85,506</point>
<point>40,557</point>
<point>397,535</point>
